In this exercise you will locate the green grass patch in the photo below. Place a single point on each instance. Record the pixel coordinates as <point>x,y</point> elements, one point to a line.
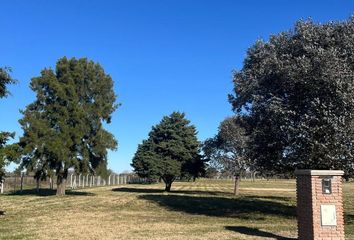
<point>205,209</point>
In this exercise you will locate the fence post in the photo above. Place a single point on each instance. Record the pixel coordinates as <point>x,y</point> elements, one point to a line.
<point>74,184</point>
<point>71,181</point>
<point>2,182</point>
<point>21,186</point>
<point>109,179</point>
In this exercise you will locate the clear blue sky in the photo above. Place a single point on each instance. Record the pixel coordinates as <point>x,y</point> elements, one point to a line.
<point>163,55</point>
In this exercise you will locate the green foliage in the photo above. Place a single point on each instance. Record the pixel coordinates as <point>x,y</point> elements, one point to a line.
<point>63,127</point>
<point>211,172</point>
<point>170,152</point>
<point>7,152</point>
<point>226,150</point>
<point>295,95</point>
<point>5,79</point>
<point>103,171</point>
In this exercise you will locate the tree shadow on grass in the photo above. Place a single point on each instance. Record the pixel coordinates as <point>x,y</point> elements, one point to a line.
<point>349,219</point>
<point>48,192</point>
<point>278,198</point>
<point>151,190</point>
<point>137,190</point>
<point>256,232</point>
<point>242,207</point>
<point>198,192</point>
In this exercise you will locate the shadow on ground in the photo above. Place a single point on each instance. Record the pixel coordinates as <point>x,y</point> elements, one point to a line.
<point>137,190</point>
<point>245,207</point>
<point>2,213</point>
<point>349,219</point>
<point>49,192</point>
<point>150,190</point>
<point>256,232</point>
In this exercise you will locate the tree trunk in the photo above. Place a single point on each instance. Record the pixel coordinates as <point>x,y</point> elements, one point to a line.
<point>168,180</point>
<point>168,186</point>
<point>61,184</point>
<point>237,185</point>
<point>37,188</point>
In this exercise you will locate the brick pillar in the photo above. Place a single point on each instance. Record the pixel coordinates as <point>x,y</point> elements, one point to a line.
<point>319,204</point>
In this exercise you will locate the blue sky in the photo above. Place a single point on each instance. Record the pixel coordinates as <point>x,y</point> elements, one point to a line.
<point>163,55</point>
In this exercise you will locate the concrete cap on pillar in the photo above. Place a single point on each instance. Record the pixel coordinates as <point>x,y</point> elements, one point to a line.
<point>319,172</point>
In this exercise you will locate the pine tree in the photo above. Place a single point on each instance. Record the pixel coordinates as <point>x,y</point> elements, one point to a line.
<point>7,152</point>
<point>63,127</point>
<point>170,152</point>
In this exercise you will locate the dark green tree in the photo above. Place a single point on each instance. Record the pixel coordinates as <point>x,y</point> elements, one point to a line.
<point>295,94</point>
<point>170,152</point>
<point>7,152</point>
<point>63,127</point>
<point>5,79</point>
<point>226,151</point>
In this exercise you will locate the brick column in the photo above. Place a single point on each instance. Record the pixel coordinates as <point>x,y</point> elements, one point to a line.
<point>319,204</point>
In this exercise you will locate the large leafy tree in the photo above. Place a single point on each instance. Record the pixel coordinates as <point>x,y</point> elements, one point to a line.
<point>295,92</point>
<point>226,151</point>
<point>7,152</point>
<point>171,151</point>
<point>63,127</point>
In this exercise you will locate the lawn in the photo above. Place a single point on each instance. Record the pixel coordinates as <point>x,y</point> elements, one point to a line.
<point>204,209</point>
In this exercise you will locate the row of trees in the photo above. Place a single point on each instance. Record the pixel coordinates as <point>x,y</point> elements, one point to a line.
<point>293,102</point>
<point>294,109</point>
<point>63,128</point>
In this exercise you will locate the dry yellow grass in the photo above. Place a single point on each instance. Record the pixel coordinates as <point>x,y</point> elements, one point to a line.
<point>200,210</point>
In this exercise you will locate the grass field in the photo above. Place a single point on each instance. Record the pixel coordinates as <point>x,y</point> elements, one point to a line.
<point>205,209</point>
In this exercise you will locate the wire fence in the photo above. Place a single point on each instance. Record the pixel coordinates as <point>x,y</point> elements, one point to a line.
<point>20,182</point>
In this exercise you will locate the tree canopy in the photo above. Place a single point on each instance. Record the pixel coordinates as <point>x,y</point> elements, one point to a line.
<point>63,127</point>
<point>171,151</point>
<point>7,152</point>
<point>295,95</point>
<point>5,79</point>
